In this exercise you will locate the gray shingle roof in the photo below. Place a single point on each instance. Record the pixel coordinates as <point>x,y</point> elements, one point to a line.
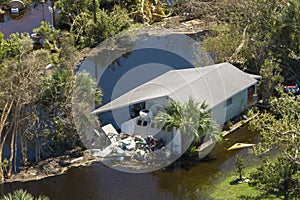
<point>213,84</point>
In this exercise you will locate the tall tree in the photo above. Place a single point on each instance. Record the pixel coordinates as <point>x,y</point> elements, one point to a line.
<point>36,103</point>
<point>251,31</point>
<point>279,130</point>
<point>271,77</point>
<point>90,24</point>
<point>17,80</point>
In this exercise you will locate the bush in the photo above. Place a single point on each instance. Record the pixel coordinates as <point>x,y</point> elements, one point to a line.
<point>227,126</point>
<point>255,109</point>
<point>89,34</point>
<point>249,113</point>
<point>22,195</point>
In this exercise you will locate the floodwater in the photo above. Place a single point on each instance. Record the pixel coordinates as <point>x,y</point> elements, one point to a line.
<point>26,20</point>
<point>183,181</point>
<point>129,63</point>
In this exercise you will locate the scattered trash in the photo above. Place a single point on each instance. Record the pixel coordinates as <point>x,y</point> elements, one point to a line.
<point>247,180</point>
<point>245,117</point>
<point>239,181</point>
<point>110,132</point>
<point>129,146</point>
<point>294,89</point>
<point>49,66</point>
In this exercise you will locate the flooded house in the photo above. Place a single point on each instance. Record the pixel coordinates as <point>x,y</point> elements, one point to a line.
<point>226,90</point>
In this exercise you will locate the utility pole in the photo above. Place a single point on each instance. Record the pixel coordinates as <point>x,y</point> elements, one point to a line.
<point>51,12</point>
<point>53,15</point>
<point>43,1</point>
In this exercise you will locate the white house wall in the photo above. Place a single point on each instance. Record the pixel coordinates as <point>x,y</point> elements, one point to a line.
<point>160,101</point>
<point>128,126</point>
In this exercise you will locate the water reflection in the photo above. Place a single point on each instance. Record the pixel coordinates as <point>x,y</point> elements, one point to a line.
<point>154,58</point>
<point>26,20</point>
<point>145,55</point>
<point>190,181</point>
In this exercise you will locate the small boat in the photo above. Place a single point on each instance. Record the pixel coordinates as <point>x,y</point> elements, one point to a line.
<point>240,145</point>
<point>14,10</point>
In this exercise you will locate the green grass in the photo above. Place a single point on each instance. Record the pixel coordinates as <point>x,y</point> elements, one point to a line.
<point>223,189</point>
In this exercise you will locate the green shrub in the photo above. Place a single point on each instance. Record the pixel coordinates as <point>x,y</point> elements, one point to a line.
<point>255,109</point>
<point>22,195</point>
<point>227,126</point>
<point>250,113</point>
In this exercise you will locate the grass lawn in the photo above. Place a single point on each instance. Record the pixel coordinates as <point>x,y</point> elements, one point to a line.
<point>223,189</point>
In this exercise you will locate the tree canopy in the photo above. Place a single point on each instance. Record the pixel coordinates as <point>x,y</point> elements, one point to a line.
<point>279,131</point>
<point>251,32</point>
<point>36,103</point>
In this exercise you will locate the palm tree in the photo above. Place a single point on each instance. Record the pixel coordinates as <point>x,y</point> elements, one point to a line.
<point>22,195</point>
<point>192,119</point>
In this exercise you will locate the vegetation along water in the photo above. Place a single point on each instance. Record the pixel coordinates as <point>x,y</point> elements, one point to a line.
<point>260,37</point>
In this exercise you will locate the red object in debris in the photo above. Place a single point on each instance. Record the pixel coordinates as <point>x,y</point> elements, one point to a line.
<point>290,86</point>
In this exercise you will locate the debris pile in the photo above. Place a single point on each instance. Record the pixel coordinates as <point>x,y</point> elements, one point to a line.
<point>133,147</point>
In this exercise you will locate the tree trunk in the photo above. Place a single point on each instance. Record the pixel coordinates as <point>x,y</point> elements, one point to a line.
<point>265,97</point>
<point>37,149</point>
<point>1,168</point>
<point>14,127</point>
<point>16,150</point>
<point>11,157</point>
<point>95,11</point>
<point>4,116</point>
<point>36,152</point>
<point>23,149</point>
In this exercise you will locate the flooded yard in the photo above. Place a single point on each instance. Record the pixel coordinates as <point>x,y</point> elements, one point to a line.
<point>26,20</point>
<point>186,180</point>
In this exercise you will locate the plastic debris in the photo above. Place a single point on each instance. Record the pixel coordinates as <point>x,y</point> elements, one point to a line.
<point>130,146</point>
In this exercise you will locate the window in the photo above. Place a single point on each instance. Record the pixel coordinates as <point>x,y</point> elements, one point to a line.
<point>229,102</point>
<point>145,123</point>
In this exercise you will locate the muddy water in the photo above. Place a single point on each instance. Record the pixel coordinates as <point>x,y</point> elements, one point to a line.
<point>184,181</point>
<point>26,20</point>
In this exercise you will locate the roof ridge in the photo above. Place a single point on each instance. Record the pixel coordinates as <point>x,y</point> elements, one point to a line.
<point>216,67</point>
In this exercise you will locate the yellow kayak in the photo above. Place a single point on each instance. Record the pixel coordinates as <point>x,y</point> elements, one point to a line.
<point>240,145</point>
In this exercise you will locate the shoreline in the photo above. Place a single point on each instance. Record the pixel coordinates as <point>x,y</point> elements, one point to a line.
<point>55,166</point>
<point>237,125</point>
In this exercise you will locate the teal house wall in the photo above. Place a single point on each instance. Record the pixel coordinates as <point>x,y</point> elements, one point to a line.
<point>236,105</point>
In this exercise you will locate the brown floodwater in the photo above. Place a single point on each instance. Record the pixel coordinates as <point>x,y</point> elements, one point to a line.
<point>184,181</point>
<point>26,20</point>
